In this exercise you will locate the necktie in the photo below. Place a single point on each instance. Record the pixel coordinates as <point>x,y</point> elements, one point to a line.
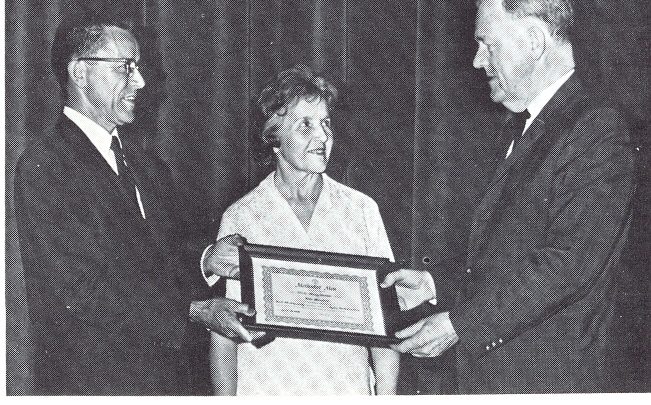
<point>515,126</point>
<point>124,173</point>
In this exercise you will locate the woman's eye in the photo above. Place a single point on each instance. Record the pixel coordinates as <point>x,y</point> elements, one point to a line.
<point>305,124</point>
<point>327,123</point>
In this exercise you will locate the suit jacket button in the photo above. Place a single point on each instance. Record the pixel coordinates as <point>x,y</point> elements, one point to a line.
<point>488,348</point>
<point>468,270</point>
<point>500,340</point>
<point>493,343</point>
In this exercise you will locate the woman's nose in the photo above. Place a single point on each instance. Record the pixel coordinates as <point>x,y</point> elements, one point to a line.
<point>321,134</point>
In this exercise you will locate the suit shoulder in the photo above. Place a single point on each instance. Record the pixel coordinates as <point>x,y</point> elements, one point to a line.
<point>591,118</point>
<point>595,105</point>
<point>577,117</point>
<point>43,154</point>
<point>594,132</point>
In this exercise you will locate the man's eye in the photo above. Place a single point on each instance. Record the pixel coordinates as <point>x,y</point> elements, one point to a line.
<point>123,68</point>
<point>305,124</point>
<point>327,123</point>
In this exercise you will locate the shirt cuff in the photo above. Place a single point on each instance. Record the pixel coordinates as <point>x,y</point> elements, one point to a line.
<point>212,279</point>
<point>409,298</point>
<point>430,283</point>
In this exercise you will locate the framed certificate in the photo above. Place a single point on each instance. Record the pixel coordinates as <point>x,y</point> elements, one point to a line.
<point>318,295</point>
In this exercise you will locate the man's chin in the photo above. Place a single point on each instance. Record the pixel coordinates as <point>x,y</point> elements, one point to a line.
<point>513,105</point>
<point>126,118</point>
<point>497,96</point>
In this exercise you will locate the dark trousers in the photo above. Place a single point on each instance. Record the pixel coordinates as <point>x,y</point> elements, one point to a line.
<point>428,376</point>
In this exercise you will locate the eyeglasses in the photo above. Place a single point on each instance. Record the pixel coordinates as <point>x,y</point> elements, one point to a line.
<point>130,65</point>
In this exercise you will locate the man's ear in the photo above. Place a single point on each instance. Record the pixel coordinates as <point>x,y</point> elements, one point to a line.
<point>537,41</point>
<point>77,72</point>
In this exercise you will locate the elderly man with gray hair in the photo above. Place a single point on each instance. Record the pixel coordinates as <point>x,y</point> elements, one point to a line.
<point>538,301</point>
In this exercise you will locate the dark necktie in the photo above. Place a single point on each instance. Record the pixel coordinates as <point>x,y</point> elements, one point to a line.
<point>124,173</point>
<point>515,126</point>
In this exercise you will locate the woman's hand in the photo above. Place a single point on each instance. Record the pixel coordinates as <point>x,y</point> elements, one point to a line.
<point>222,257</point>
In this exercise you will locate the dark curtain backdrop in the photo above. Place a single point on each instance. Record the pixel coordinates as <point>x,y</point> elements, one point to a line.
<point>392,61</point>
<point>205,61</point>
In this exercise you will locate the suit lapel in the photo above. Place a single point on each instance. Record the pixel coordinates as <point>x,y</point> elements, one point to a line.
<point>96,166</point>
<point>537,130</point>
<point>155,198</point>
<point>488,205</point>
<point>144,239</point>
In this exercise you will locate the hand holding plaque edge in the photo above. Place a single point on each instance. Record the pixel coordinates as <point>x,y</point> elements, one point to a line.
<point>429,337</point>
<point>413,287</point>
<point>220,315</point>
<point>222,257</point>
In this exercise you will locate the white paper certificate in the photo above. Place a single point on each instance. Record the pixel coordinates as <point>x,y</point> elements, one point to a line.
<point>318,296</point>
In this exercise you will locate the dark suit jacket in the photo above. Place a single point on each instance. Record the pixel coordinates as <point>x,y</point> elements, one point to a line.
<point>535,310</point>
<point>108,296</point>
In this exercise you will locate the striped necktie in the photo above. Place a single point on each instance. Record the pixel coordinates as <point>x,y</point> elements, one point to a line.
<point>124,173</point>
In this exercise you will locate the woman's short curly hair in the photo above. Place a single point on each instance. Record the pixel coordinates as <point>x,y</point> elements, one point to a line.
<point>278,95</point>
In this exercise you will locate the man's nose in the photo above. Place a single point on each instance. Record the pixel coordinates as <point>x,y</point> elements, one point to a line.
<point>137,80</point>
<point>480,58</point>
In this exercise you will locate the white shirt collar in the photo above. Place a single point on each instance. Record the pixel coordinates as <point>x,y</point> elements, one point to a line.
<point>98,136</point>
<point>538,103</point>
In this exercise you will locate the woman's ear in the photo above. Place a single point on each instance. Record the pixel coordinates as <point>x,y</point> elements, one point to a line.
<point>270,133</point>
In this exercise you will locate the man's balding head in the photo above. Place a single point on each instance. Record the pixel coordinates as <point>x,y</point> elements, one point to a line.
<point>557,14</point>
<point>96,60</point>
<point>82,34</point>
<point>523,45</point>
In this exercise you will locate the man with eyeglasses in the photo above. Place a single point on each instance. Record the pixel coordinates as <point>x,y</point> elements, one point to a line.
<point>109,295</point>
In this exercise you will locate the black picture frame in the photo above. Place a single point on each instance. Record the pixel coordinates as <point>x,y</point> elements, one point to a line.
<point>393,318</point>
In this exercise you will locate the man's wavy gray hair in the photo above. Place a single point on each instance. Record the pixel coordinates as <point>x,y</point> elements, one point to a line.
<point>557,14</point>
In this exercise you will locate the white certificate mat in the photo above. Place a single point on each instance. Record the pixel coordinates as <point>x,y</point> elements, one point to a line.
<point>307,295</point>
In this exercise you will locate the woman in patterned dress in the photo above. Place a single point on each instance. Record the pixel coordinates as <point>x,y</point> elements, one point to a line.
<point>299,206</point>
